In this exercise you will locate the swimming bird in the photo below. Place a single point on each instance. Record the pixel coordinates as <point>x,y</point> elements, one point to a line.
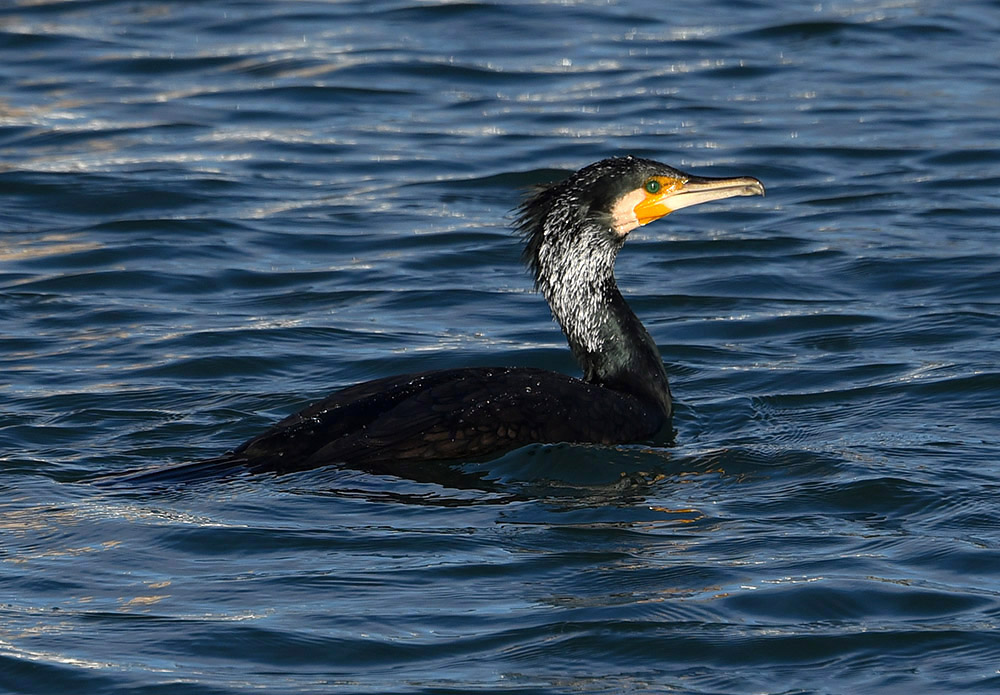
<point>572,231</point>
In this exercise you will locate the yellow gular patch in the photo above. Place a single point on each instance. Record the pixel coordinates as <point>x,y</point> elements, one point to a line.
<point>654,202</point>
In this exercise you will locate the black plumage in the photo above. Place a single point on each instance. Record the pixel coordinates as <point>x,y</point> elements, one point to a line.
<point>572,232</point>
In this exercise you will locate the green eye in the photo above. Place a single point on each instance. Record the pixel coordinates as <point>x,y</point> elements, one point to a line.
<point>652,186</point>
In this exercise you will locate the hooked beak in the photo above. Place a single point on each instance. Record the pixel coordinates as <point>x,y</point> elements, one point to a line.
<point>677,193</point>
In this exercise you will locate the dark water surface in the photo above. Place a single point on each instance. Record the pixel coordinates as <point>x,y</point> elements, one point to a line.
<point>214,212</point>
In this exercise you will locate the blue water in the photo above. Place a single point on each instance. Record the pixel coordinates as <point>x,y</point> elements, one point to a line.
<point>214,212</point>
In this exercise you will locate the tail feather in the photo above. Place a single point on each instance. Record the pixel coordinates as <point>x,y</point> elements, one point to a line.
<point>180,473</point>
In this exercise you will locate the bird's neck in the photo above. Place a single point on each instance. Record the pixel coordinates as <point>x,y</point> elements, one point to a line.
<point>606,337</point>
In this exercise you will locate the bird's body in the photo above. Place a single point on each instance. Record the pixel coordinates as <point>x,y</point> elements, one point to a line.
<point>573,231</point>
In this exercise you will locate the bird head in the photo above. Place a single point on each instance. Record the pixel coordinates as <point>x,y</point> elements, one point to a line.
<point>599,205</point>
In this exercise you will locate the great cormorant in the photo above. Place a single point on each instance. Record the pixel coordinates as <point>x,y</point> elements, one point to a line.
<point>572,231</point>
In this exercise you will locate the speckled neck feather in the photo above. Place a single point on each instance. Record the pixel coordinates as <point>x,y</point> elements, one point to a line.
<point>570,246</point>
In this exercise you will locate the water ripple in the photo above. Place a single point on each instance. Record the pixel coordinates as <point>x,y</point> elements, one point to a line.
<point>216,212</point>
